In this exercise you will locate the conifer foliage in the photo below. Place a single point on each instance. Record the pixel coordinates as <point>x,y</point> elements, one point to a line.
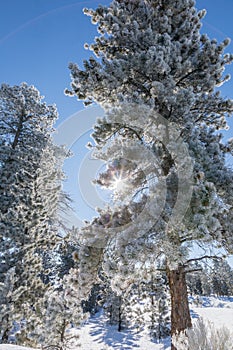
<point>30,188</point>
<point>156,77</point>
<point>215,279</point>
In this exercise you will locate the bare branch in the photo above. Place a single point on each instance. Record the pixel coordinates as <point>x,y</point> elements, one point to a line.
<point>215,257</point>
<point>193,270</point>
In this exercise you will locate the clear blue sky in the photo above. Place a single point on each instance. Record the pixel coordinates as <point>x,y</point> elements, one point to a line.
<point>38,39</point>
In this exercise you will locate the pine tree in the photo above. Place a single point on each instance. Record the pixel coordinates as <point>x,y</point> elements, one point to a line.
<point>221,278</point>
<point>31,175</point>
<point>6,304</point>
<point>156,76</point>
<point>206,282</point>
<point>147,306</point>
<point>194,279</point>
<point>62,313</point>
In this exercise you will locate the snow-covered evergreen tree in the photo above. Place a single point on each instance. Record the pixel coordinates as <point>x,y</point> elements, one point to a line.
<point>114,310</point>
<point>156,77</point>
<point>215,278</point>
<point>62,313</point>
<point>221,278</point>
<point>30,188</point>
<point>147,306</point>
<point>62,307</point>
<point>6,304</point>
<point>206,283</point>
<point>194,279</point>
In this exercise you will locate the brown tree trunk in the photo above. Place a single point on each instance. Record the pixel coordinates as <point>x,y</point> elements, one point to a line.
<point>180,314</point>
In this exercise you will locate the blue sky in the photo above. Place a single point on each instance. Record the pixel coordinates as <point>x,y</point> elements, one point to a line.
<point>38,39</point>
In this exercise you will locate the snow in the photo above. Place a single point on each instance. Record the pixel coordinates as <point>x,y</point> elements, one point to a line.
<point>217,310</point>
<point>95,335</point>
<point>13,347</point>
<point>219,317</point>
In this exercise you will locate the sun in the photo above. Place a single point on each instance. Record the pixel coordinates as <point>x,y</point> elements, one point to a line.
<point>118,183</point>
<point>118,177</point>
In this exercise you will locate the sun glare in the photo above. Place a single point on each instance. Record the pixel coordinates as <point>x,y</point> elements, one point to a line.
<point>118,183</point>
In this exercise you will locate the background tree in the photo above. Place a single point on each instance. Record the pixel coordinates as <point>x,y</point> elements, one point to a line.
<point>156,77</point>
<point>30,190</point>
<point>62,312</point>
<point>147,306</point>
<point>195,279</point>
<point>221,278</point>
<point>207,279</point>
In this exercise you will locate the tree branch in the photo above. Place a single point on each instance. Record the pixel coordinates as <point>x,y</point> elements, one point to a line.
<point>204,257</point>
<point>193,270</point>
<point>187,75</point>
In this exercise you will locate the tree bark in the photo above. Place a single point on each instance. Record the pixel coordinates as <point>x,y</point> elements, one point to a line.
<point>18,131</point>
<point>5,336</point>
<point>180,314</point>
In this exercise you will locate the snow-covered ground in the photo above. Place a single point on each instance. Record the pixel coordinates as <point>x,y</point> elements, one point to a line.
<point>218,311</point>
<point>94,335</point>
<point>13,347</point>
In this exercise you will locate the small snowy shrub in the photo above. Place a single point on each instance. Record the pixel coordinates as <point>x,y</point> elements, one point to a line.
<point>204,336</point>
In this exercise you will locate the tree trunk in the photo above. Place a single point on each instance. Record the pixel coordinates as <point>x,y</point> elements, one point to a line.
<point>5,335</point>
<point>120,315</point>
<point>120,320</point>
<point>18,131</point>
<point>180,314</point>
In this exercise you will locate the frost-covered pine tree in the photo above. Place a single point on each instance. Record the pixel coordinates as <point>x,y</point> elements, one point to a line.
<point>194,279</point>
<point>221,278</point>
<point>30,188</point>
<point>156,76</point>
<point>62,313</point>
<point>6,289</point>
<point>114,310</point>
<point>147,306</point>
<point>159,310</point>
<point>216,278</point>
